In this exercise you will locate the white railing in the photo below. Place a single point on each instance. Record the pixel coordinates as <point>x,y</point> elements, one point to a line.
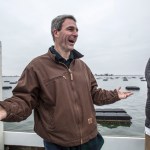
<point>22,139</point>
<point>111,143</point>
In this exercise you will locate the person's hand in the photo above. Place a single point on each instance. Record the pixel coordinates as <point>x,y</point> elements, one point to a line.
<point>123,94</point>
<point>3,113</point>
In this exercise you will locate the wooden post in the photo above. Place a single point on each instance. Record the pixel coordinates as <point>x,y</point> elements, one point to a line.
<point>1,123</point>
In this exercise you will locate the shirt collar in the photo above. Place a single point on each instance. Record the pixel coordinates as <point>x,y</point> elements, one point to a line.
<point>73,55</point>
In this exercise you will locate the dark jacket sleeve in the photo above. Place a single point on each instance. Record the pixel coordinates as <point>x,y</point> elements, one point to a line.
<point>24,99</point>
<point>147,109</point>
<point>147,73</point>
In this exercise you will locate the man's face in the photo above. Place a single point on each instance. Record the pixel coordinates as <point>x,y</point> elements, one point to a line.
<point>67,36</point>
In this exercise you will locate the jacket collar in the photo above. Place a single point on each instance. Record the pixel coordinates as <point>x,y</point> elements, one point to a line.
<point>76,54</point>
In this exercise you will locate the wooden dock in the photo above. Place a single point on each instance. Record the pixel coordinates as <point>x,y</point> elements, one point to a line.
<point>113,118</point>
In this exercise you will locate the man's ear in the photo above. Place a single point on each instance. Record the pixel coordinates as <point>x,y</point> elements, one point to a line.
<point>55,33</point>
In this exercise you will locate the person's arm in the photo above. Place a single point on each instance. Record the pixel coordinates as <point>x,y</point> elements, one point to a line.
<point>3,113</point>
<point>24,99</point>
<point>147,73</point>
<point>102,96</point>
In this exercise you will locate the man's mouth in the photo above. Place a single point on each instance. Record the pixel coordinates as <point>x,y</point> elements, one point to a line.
<point>72,41</point>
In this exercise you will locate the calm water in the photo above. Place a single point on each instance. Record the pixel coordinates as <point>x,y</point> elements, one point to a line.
<point>134,106</point>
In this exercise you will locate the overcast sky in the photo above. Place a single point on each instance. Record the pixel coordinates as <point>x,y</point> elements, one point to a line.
<point>114,35</point>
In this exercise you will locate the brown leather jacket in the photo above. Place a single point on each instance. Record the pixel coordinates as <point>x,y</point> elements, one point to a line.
<point>62,99</point>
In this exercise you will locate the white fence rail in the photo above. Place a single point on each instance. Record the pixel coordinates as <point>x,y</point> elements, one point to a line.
<point>111,143</point>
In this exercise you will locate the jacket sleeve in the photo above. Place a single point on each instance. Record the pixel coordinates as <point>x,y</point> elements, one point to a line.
<point>147,73</point>
<point>101,96</point>
<point>24,99</point>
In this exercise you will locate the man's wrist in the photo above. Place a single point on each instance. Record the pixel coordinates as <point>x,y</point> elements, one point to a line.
<point>3,113</point>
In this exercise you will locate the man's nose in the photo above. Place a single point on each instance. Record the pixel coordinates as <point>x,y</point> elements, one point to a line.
<point>75,33</point>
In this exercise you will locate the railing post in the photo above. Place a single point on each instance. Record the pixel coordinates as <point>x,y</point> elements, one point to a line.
<point>1,123</point>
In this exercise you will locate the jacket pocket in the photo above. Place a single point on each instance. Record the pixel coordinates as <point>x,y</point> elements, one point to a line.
<point>47,116</point>
<point>51,88</point>
<point>51,120</point>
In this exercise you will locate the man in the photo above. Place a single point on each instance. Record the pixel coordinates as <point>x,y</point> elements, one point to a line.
<point>62,90</point>
<point>147,110</point>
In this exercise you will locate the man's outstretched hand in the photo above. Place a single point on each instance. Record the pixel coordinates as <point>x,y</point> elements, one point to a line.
<point>123,94</point>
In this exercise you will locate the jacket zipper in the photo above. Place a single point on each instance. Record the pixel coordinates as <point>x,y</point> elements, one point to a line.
<point>77,108</point>
<point>71,75</point>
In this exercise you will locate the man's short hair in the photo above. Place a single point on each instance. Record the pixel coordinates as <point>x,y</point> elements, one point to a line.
<point>57,22</point>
